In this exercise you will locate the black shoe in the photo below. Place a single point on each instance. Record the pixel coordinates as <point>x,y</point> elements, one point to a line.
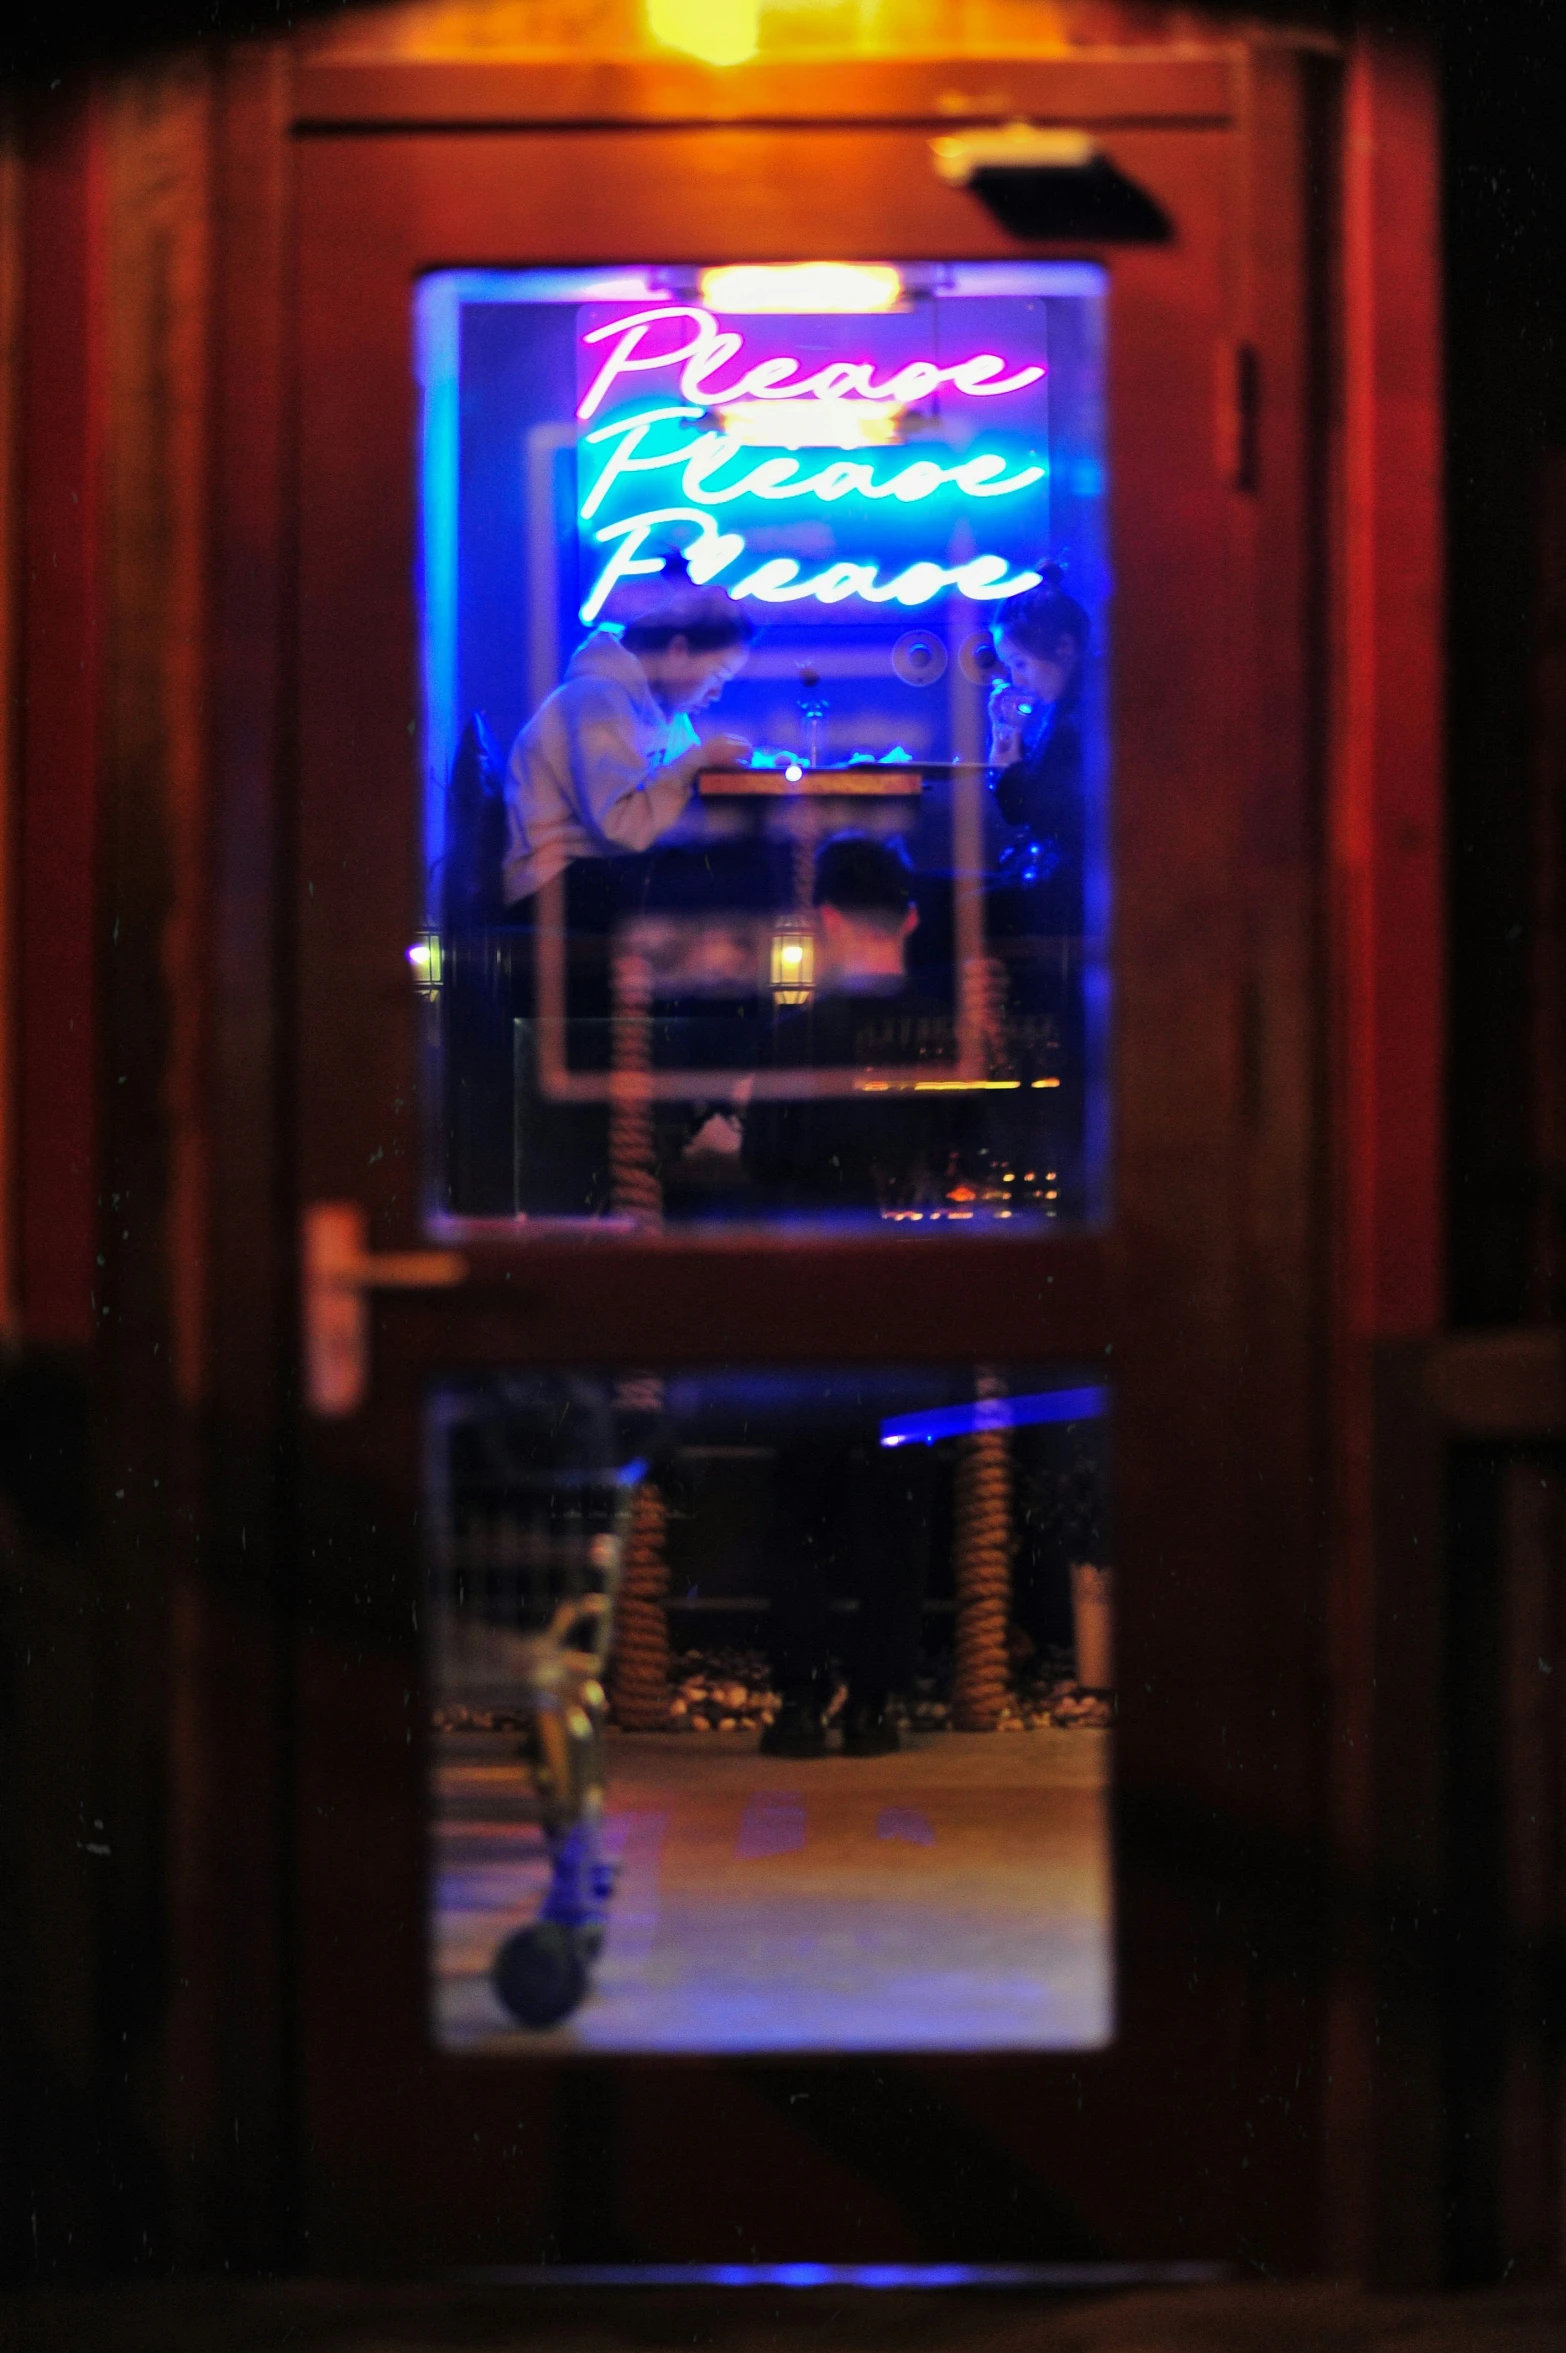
<point>868,1729</point>
<point>797,1730</point>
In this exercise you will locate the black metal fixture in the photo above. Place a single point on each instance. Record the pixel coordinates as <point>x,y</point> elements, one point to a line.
<point>1043,185</point>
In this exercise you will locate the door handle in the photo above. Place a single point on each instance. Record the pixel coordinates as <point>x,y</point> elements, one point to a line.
<point>340,1271</point>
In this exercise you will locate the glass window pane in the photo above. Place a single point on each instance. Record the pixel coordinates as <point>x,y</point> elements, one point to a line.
<point>770,1710</point>
<point>765,638</point>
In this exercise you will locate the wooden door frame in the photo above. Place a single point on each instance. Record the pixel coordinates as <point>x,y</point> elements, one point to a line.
<point>1223,1800</point>
<point>1381,766</point>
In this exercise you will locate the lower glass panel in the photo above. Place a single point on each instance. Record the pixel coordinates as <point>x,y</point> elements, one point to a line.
<point>837,954</point>
<point>770,1711</point>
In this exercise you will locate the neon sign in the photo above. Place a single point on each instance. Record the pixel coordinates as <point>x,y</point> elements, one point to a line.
<point>842,405</point>
<point>774,477</point>
<point>707,347</point>
<point>778,581</point>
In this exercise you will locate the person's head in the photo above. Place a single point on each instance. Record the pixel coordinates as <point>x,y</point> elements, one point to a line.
<point>691,641</point>
<point>863,896</point>
<point>1042,639</point>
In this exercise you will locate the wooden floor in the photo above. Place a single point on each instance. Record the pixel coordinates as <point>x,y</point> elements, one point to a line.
<point>956,1896</point>
<point>305,2317</point>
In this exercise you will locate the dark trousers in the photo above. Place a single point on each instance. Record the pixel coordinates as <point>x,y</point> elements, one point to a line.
<point>852,1523</point>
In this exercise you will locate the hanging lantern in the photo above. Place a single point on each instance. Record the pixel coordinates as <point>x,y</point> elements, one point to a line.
<point>424,958</point>
<point>793,963</point>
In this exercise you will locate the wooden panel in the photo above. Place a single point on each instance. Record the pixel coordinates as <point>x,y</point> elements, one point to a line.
<point>1548,1000</point>
<point>61,420</point>
<point>1531,2186</point>
<point>1499,1385</point>
<point>1388,846</point>
<point>599,1299</point>
<point>334,94</point>
<point>1384,1079</point>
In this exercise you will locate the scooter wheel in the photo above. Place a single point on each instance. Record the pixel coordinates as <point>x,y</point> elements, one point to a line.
<point>540,1974</point>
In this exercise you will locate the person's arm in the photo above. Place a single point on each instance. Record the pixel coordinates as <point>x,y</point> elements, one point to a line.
<point>621,797</point>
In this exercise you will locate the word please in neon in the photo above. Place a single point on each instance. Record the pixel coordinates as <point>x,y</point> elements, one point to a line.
<point>706,347</point>
<point>778,581</point>
<point>774,477</point>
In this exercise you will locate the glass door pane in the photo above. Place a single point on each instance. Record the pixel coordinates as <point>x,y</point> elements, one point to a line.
<point>830,950</point>
<point>856,1629</point>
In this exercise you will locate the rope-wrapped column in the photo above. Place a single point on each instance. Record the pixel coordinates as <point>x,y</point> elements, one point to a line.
<point>802,853</point>
<point>983,1570</point>
<point>639,1665</point>
<point>992,986</point>
<point>633,1178</point>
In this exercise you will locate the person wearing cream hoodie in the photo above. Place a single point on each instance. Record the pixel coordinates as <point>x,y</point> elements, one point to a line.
<point>608,762</point>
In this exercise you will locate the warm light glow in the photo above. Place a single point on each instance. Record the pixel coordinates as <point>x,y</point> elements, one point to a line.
<point>793,962</point>
<point>1015,145</point>
<point>719,32</point>
<point>425,957</point>
<point>814,287</point>
<point>817,424</point>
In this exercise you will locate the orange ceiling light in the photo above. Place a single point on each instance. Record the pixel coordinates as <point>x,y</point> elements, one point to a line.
<point>719,32</point>
<point>812,424</point>
<point>813,287</point>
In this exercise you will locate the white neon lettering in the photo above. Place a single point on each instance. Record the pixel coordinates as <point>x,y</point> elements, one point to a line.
<point>842,379</point>
<point>915,382</point>
<point>624,359</point>
<point>706,553</point>
<point>842,476</point>
<point>839,581</point>
<point>770,381</point>
<point>631,432</point>
<point>920,480</point>
<point>774,478</point>
<point>972,375</point>
<point>778,477</point>
<point>709,347</point>
<point>778,580</point>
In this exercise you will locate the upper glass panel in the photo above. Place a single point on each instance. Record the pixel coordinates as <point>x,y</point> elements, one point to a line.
<point>765,620</point>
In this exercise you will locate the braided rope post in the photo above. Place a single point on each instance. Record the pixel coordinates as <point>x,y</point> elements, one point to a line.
<point>633,1180</point>
<point>802,846</point>
<point>639,1666</point>
<point>983,1569</point>
<point>992,990</point>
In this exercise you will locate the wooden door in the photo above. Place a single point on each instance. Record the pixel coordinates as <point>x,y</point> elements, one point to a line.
<point>1195,2133</point>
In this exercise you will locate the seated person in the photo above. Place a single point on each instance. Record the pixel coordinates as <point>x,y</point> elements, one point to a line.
<point>601,772</point>
<point>607,762</point>
<point>1041,641</point>
<point>856,1151</point>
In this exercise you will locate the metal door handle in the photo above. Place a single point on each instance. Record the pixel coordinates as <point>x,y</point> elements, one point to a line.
<point>340,1271</point>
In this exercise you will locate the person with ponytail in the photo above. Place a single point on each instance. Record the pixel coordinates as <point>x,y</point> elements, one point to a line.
<point>607,763</point>
<point>1042,641</point>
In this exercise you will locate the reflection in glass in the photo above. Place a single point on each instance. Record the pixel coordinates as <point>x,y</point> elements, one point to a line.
<point>765,750</point>
<point>770,1710</point>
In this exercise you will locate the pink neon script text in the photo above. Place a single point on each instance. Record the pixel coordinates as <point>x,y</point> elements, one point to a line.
<point>705,348</point>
